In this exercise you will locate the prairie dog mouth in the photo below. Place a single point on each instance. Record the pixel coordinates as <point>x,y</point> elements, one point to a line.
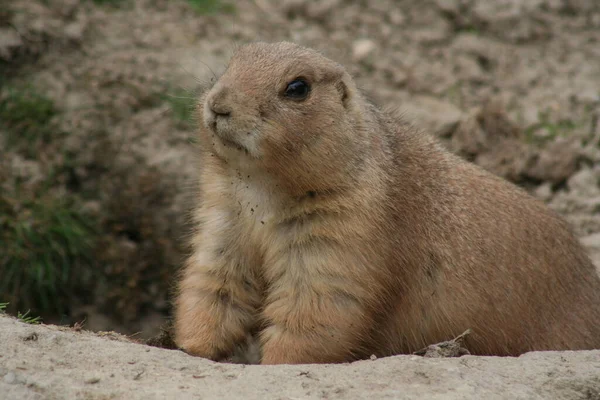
<point>232,144</point>
<point>218,132</point>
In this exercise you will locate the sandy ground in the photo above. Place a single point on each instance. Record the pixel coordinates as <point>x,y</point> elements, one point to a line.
<point>44,362</point>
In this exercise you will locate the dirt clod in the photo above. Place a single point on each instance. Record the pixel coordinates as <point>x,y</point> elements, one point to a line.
<point>450,348</point>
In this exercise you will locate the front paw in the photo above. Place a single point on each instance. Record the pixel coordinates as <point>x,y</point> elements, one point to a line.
<point>198,343</point>
<point>196,331</point>
<point>202,330</point>
<point>194,348</point>
<point>313,346</point>
<point>282,347</point>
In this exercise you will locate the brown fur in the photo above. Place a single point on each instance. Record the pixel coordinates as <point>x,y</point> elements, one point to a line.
<point>337,231</point>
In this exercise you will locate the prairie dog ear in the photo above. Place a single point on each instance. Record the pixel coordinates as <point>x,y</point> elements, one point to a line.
<point>343,82</point>
<point>346,88</point>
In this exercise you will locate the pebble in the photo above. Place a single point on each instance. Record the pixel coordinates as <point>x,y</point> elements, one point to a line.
<point>10,378</point>
<point>362,48</point>
<point>544,191</point>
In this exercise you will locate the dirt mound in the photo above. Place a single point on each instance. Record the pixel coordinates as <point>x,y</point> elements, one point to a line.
<point>48,362</point>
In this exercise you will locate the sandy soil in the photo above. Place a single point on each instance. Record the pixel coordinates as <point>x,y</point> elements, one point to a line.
<point>512,85</point>
<point>51,363</point>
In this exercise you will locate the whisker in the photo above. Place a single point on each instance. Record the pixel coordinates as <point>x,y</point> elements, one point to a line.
<point>199,81</point>
<point>215,77</point>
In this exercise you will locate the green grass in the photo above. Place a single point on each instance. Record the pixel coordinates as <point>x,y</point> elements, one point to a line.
<point>28,319</point>
<point>470,29</point>
<point>46,241</point>
<point>558,128</point>
<point>182,104</point>
<point>212,6</point>
<point>27,114</point>
<point>108,2</point>
<point>23,317</point>
<point>45,244</point>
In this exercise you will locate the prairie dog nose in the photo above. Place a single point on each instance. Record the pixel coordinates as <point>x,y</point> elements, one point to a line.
<point>218,102</point>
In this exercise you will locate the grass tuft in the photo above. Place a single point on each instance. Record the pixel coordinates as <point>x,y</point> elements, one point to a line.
<point>554,129</point>
<point>27,114</point>
<point>182,104</point>
<point>23,317</point>
<point>44,242</point>
<point>212,6</point>
<point>29,319</point>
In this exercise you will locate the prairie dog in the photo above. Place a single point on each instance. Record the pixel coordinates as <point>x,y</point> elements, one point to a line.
<point>335,231</point>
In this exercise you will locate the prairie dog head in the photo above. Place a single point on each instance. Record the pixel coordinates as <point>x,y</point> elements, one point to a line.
<point>287,111</point>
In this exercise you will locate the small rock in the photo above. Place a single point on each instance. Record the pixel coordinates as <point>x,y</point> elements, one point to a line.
<point>10,378</point>
<point>74,31</point>
<point>591,241</point>
<point>438,117</point>
<point>592,204</point>
<point>469,137</point>
<point>544,191</point>
<point>433,35</point>
<point>469,68</point>
<point>32,337</point>
<point>399,76</point>
<point>396,17</point>
<point>585,181</point>
<point>92,207</point>
<point>9,39</point>
<point>448,6</point>
<point>320,10</point>
<point>450,348</point>
<point>508,158</point>
<point>386,30</point>
<point>588,95</point>
<point>556,163</point>
<point>591,152</point>
<point>496,122</point>
<point>531,115</point>
<point>362,48</point>
<point>542,133</point>
<point>511,19</point>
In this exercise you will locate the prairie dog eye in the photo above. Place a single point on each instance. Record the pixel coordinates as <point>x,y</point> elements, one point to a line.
<point>297,89</point>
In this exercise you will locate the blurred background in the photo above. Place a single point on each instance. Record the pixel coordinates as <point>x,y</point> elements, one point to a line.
<point>97,162</point>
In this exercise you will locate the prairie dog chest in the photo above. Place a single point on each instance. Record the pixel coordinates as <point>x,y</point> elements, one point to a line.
<point>264,218</point>
<point>256,211</point>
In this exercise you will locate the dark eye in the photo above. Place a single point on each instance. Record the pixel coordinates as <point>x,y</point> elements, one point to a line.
<point>297,89</point>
